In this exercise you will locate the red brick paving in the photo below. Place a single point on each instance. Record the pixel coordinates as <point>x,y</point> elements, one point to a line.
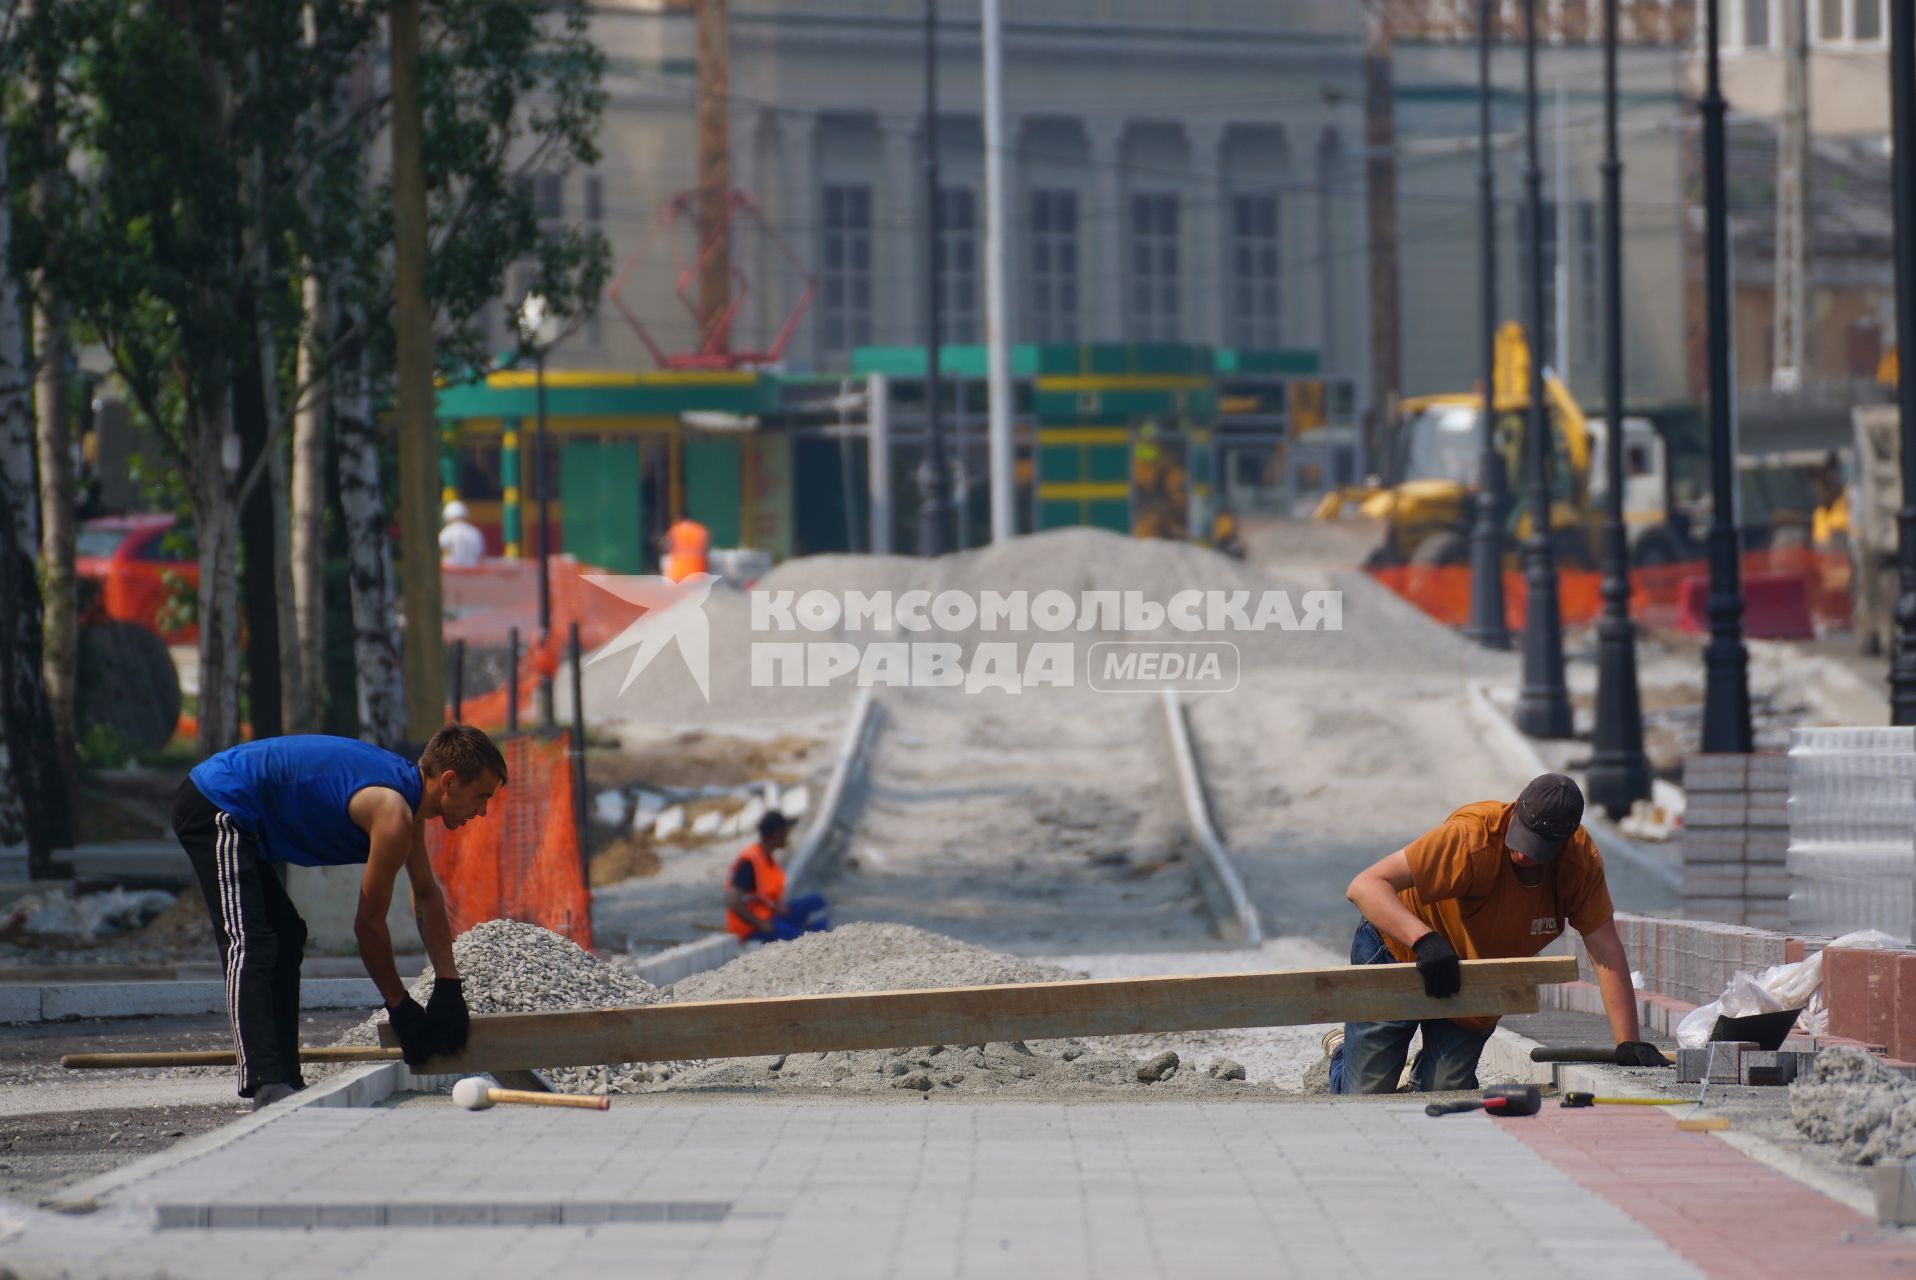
<point>1727,1214</point>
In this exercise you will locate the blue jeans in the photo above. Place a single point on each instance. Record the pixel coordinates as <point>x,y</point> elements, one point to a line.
<point>1371,1059</point>
<point>803,914</point>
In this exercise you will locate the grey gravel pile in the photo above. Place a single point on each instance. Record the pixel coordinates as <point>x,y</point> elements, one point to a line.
<point>862,957</point>
<point>511,967</point>
<point>1849,1098</point>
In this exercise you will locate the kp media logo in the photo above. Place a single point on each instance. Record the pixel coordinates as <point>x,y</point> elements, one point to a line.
<point>674,617</point>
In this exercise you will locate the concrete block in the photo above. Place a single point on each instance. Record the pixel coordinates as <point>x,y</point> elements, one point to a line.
<point>145,999</point>
<point>1854,981</point>
<point>707,823</point>
<point>669,822</point>
<point>795,801</point>
<point>1769,809</point>
<point>1712,880</point>
<point>19,1003</point>
<point>1725,1067</point>
<point>1717,772</point>
<point>1894,1184</point>
<point>1768,846</point>
<point>1724,907</point>
<point>1712,845</point>
<point>1716,809</point>
<point>1769,771</point>
<point>1767,882</point>
<point>1762,1068</point>
<point>1770,913</point>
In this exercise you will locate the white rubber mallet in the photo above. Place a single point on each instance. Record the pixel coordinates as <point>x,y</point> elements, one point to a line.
<point>476,1093</point>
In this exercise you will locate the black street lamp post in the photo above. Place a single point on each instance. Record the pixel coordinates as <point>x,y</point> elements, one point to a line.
<point>1619,772</point>
<point>934,479</point>
<point>1543,704</point>
<point>1726,688</point>
<point>1902,70</point>
<point>1487,626</point>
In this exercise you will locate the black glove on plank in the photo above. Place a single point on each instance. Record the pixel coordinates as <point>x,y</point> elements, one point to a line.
<point>1437,961</point>
<point>1639,1053</point>
<point>446,1015</point>
<point>409,1023</point>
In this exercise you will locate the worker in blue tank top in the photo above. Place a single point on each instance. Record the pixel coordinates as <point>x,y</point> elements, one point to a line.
<point>316,801</point>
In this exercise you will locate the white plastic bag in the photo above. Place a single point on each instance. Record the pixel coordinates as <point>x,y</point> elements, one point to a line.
<point>1779,987</point>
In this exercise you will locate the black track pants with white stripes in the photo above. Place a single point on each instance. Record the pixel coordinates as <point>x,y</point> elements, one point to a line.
<point>261,939</point>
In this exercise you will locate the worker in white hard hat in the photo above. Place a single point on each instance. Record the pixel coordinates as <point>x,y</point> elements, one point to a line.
<point>461,545</point>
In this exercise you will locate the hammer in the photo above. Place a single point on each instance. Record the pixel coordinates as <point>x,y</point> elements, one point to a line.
<point>476,1093</point>
<point>1504,1100</point>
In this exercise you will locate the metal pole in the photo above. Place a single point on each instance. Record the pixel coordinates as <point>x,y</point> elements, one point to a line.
<point>458,681</point>
<point>934,480</point>
<point>1004,519</point>
<point>1902,68</point>
<point>1726,689</point>
<point>878,460</point>
<point>544,482</point>
<point>512,681</point>
<point>1487,626</point>
<point>575,752</point>
<point>1543,704</point>
<point>1619,772</point>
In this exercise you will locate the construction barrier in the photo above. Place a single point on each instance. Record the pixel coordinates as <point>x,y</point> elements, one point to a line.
<point>521,861</point>
<point>1657,592</point>
<point>484,603</point>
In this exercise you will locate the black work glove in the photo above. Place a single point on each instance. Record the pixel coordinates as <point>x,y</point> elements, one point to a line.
<point>446,1015</point>
<point>1639,1053</point>
<point>1437,961</point>
<point>410,1024</point>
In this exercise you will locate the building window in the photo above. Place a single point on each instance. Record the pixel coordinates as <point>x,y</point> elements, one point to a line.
<point>1756,24</point>
<point>845,277</point>
<point>1154,267</point>
<point>548,197</point>
<point>1546,342</point>
<point>595,225</point>
<point>1590,268</point>
<point>957,264</point>
<point>1054,266</point>
<point>1254,270</point>
<point>1829,19</point>
<point>1869,20</point>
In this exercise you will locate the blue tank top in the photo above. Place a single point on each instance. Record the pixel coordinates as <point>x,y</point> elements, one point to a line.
<point>292,793</point>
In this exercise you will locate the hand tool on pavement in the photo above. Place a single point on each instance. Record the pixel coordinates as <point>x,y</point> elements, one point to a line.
<point>1578,1098</point>
<point>476,1093</point>
<point>1503,1100</point>
<point>1544,1053</point>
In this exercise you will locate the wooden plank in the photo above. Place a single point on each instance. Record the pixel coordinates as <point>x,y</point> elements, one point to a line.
<point>974,1015</point>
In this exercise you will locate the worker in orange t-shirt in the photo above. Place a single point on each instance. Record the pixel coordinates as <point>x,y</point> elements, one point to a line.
<point>755,906</point>
<point>1495,881</point>
<point>687,546</point>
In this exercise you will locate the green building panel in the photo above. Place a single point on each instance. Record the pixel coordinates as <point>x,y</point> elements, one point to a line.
<point>712,490</point>
<point>604,504</point>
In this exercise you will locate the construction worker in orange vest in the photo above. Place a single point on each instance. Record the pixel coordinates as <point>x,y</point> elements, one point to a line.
<point>755,906</point>
<point>687,544</point>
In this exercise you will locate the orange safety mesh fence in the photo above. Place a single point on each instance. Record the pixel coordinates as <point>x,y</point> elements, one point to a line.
<point>521,861</point>
<point>1443,591</point>
<point>483,603</point>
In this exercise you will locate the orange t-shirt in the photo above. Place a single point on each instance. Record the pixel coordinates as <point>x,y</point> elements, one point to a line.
<point>1465,887</point>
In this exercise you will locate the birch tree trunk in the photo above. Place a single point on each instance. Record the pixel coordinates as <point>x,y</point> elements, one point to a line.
<point>60,629</point>
<point>308,556</point>
<point>33,797</point>
<point>382,686</point>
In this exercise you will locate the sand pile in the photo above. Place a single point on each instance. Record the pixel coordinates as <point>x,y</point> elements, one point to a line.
<point>1075,561</point>
<point>1849,1098</point>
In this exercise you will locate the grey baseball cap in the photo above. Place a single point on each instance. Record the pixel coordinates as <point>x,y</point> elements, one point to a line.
<point>1548,814</point>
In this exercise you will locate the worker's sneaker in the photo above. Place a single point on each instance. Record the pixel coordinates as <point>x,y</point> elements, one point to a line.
<point>1333,1040</point>
<point>267,1094</point>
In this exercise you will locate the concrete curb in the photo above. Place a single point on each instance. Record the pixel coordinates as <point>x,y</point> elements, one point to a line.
<point>60,1002</point>
<point>686,959</point>
<point>1223,890</point>
<point>1517,748</point>
<point>809,863</point>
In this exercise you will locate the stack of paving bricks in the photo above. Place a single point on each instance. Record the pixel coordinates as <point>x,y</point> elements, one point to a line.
<point>1736,839</point>
<point>1872,1002</point>
<point>1681,964</point>
<point>1852,854</point>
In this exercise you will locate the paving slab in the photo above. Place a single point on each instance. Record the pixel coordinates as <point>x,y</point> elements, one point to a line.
<point>736,1188</point>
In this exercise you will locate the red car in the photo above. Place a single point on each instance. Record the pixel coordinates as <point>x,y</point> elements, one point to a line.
<point>123,564</point>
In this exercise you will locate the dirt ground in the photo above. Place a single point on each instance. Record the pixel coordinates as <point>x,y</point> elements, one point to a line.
<point>699,759</point>
<point>59,1127</point>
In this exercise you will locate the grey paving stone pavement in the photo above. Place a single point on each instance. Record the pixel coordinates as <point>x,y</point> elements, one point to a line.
<point>786,1189</point>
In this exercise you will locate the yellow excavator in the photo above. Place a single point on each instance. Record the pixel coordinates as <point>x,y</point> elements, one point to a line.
<point>1429,501</point>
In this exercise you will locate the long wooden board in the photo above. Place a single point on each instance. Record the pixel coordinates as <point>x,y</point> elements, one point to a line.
<point>974,1015</point>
